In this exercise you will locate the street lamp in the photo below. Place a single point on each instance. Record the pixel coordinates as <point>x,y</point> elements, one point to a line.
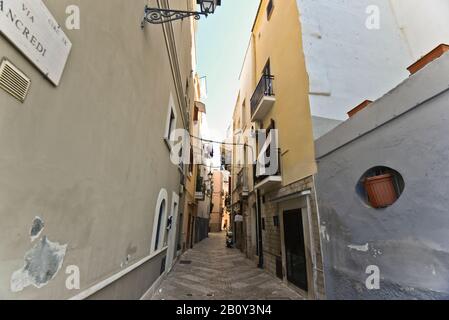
<point>159,15</point>
<point>208,6</point>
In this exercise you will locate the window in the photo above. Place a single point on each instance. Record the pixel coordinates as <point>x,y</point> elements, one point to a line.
<point>186,96</point>
<point>271,127</point>
<point>270,8</point>
<point>171,121</point>
<point>267,69</point>
<point>244,112</point>
<point>191,161</point>
<point>195,114</point>
<point>181,157</point>
<point>171,124</point>
<point>159,222</point>
<point>276,221</point>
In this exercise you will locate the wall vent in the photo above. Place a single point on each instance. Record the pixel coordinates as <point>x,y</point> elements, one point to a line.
<point>14,81</point>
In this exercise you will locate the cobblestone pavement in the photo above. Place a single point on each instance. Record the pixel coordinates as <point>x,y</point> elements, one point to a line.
<point>214,272</point>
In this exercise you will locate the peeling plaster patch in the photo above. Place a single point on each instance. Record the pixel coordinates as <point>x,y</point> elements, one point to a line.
<point>126,262</point>
<point>42,263</point>
<point>36,228</point>
<point>131,250</point>
<point>364,248</point>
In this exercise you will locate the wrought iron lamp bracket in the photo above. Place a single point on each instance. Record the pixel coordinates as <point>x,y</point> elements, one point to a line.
<point>160,16</point>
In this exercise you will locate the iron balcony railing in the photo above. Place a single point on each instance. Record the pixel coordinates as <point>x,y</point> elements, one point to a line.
<point>265,88</point>
<point>199,183</point>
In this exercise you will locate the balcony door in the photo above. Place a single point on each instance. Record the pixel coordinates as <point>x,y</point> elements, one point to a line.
<point>267,69</point>
<point>268,79</point>
<point>172,230</point>
<point>268,165</point>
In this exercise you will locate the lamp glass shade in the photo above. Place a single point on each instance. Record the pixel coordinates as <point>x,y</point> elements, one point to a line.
<point>208,6</point>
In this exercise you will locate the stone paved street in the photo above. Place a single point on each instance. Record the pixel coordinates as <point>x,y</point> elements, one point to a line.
<point>216,272</point>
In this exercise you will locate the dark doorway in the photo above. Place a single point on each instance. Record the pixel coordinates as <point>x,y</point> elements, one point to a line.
<point>190,231</point>
<point>267,69</point>
<point>179,235</point>
<point>295,249</point>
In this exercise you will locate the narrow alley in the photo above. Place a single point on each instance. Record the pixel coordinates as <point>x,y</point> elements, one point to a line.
<point>212,271</point>
<point>141,139</point>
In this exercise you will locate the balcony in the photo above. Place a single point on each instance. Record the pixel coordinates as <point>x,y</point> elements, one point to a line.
<point>263,98</point>
<point>228,201</point>
<point>267,170</point>
<point>199,193</point>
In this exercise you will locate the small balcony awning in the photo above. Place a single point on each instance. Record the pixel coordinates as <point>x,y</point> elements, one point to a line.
<point>201,106</point>
<point>269,183</point>
<point>263,98</point>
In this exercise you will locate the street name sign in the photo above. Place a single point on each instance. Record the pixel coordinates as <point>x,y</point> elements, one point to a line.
<point>30,26</point>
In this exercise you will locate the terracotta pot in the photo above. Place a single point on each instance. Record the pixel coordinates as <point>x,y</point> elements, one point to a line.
<point>381,191</point>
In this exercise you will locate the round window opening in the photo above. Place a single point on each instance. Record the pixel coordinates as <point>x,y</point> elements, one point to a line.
<point>380,187</point>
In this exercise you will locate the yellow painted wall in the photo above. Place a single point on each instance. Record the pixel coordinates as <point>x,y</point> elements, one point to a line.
<point>279,39</point>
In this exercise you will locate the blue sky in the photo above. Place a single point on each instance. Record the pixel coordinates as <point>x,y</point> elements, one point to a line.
<point>222,40</point>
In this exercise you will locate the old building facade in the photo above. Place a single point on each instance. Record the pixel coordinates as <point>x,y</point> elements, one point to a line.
<point>219,216</point>
<point>93,149</point>
<point>195,215</point>
<point>273,177</point>
<point>298,81</point>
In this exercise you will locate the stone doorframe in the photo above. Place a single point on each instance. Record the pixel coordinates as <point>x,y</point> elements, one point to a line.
<point>300,201</point>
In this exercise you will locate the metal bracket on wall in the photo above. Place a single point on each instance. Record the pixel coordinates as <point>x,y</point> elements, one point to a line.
<point>160,16</point>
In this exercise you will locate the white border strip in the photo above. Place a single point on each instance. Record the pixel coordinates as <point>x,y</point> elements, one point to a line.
<point>150,292</point>
<point>102,284</point>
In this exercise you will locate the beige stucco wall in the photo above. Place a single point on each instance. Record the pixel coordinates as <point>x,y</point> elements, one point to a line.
<point>279,40</point>
<point>88,156</point>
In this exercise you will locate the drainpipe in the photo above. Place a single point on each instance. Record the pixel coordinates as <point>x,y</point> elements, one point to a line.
<point>312,245</point>
<point>259,229</point>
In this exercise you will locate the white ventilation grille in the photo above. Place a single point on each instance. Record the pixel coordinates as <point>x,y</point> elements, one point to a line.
<point>14,81</point>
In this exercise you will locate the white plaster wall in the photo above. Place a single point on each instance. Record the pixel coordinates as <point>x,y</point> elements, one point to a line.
<point>349,63</point>
<point>404,130</point>
<point>425,24</point>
